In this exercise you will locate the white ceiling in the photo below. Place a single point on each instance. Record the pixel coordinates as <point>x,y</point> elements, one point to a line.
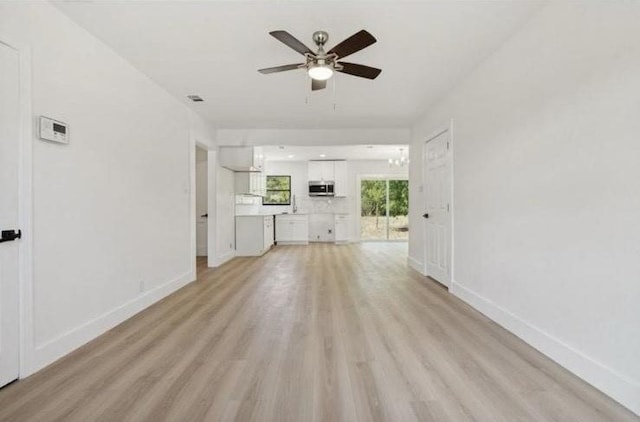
<point>214,48</point>
<point>346,152</point>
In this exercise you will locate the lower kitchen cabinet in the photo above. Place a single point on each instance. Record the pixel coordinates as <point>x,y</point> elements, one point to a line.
<point>342,228</point>
<point>254,235</point>
<point>292,229</point>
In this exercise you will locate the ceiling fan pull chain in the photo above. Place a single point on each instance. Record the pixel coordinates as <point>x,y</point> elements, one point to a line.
<point>335,81</point>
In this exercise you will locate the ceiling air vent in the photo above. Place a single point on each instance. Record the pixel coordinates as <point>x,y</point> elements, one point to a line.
<point>195,98</point>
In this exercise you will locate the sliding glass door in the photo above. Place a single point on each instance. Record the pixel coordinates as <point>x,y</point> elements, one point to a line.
<point>384,209</point>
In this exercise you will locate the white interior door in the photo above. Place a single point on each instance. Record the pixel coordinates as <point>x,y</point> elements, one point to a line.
<point>437,215</point>
<point>9,158</point>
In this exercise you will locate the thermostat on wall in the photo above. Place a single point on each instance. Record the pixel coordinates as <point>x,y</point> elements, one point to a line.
<point>53,130</point>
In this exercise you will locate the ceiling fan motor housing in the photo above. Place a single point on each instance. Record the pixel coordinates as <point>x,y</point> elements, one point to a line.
<point>320,38</point>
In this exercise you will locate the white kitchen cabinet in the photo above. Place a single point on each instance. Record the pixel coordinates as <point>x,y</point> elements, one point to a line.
<point>292,229</point>
<point>321,170</point>
<point>267,234</point>
<point>342,225</point>
<point>254,235</point>
<point>340,178</point>
<point>241,158</point>
<point>250,183</point>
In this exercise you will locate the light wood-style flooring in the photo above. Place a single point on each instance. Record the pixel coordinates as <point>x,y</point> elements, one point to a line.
<point>317,333</point>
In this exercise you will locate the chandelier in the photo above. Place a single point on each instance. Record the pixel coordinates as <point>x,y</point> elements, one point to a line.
<point>400,161</point>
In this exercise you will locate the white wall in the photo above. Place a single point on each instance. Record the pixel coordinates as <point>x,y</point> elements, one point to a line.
<point>225,215</point>
<point>112,211</point>
<point>221,197</point>
<point>547,189</point>
<point>310,137</point>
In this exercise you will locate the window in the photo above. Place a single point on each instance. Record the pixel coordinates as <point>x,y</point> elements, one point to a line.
<point>278,191</point>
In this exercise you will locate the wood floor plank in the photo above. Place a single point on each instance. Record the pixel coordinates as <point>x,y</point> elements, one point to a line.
<point>308,333</point>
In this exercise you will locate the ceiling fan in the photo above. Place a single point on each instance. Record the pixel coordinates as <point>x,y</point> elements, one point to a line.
<point>321,65</point>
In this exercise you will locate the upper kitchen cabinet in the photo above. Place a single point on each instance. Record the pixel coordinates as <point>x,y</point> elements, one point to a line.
<point>321,170</point>
<point>335,171</point>
<point>250,183</point>
<point>241,158</point>
<point>340,178</point>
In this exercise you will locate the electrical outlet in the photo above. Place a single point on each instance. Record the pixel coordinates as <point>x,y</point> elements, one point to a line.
<point>142,287</point>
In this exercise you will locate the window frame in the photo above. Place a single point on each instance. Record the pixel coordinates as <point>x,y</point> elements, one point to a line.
<point>276,190</point>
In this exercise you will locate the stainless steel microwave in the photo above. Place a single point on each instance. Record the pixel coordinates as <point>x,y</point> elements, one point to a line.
<point>321,188</point>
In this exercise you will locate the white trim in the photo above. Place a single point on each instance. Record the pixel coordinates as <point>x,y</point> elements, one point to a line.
<point>200,250</point>
<point>194,143</point>
<point>618,386</point>
<point>193,221</point>
<point>54,349</point>
<point>212,209</point>
<point>452,205</point>
<point>443,129</point>
<point>416,264</point>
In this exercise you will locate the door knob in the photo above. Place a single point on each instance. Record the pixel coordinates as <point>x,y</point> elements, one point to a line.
<point>9,235</point>
<point>425,215</point>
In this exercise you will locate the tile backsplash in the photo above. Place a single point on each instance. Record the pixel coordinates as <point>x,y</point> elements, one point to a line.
<point>306,204</point>
<point>316,205</point>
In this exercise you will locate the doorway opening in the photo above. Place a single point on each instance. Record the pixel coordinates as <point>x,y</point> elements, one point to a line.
<point>202,214</point>
<point>384,209</point>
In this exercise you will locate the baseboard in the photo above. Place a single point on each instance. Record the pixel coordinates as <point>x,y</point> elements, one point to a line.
<point>293,242</point>
<point>415,264</point>
<point>201,251</point>
<point>52,350</point>
<point>618,386</point>
<point>225,257</point>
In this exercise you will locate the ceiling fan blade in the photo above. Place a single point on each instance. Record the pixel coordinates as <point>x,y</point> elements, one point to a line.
<point>280,68</point>
<point>316,85</point>
<point>359,70</point>
<point>291,41</point>
<point>354,43</point>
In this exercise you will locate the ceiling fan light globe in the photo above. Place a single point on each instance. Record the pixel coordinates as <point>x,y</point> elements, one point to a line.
<point>320,72</point>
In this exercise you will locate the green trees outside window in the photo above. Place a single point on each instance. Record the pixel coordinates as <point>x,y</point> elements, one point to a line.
<point>278,191</point>
<point>384,209</point>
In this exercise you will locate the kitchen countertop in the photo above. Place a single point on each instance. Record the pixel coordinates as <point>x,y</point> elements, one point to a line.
<point>262,214</point>
<point>266,214</point>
